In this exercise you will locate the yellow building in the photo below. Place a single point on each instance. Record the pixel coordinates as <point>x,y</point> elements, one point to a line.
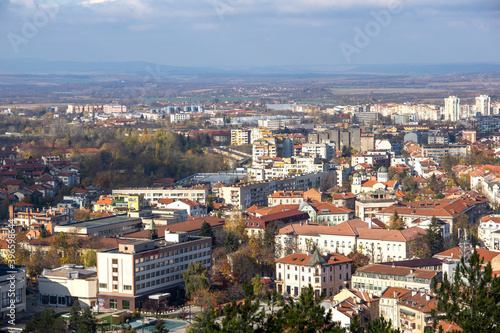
<point>119,203</point>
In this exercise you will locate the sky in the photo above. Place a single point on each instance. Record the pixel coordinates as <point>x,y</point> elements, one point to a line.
<point>252,33</point>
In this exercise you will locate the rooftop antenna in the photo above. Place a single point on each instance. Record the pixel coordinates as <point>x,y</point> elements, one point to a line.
<point>464,245</point>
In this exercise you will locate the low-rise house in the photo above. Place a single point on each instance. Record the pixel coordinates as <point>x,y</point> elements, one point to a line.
<point>414,311</point>
<point>257,225</point>
<point>327,274</point>
<point>64,285</point>
<point>326,213</point>
<point>193,208</point>
<point>345,200</point>
<point>488,231</point>
<point>285,197</point>
<point>388,303</point>
<point>446,210</point>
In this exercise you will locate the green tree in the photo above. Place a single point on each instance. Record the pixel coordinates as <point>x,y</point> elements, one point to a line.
<point>231,241</point>
<point>307,315</point>
<point>433,238</point>
<point>195,278</point>
<point>396,223</point>
<point>86,323</point>
<point>207,231</point>
<point>257,285</point>
<point>201,321</point>
<point>74,316</point>
<point>45,323</point>
<point>380,325</point>
<point>472,300</point>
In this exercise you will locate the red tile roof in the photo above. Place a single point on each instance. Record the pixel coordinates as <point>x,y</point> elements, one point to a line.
<point>488,256</point>
<point>165,201</point>
<point>340,196</point>
<point>394,292</point>
<point>303,259</point>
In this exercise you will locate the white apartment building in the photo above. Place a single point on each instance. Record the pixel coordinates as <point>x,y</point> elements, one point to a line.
<point>322,150</point>
<point>139,269</point>
<point>327,273</point>
<point>483,105</point>
<point>251,193</point>
<point>179,117</point>
<point>451,108</point>
<point>379,244</point>
<point>489,232</point>
<point>153,194</point>
<point>64,285</point>
<point>375,278</point>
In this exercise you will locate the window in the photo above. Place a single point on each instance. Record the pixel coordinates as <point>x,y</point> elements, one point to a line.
<point>115,278</point>
<point>115,287</point>
<point>103,285</point>
<point>125,305</point>
<point>115,270</point>
<point>127,287</point>
<point>115,261</point>
<point>113,303</point>
<point>5,299</point>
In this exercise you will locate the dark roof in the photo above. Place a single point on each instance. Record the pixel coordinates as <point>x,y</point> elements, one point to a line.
<point>414,263</point>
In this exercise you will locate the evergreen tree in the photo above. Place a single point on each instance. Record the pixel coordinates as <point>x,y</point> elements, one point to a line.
<point>74,316</point>
<point>86,323</point>
<point>195,278</point>
<point>231,241</point>
<point>472,301</point>
<point>200,321</point>
<point>207,231</point>
<point>243,318</point>
<point>380,325</point>
<point>307,315</point>
<point>433,238</point>
<point>45,323</point>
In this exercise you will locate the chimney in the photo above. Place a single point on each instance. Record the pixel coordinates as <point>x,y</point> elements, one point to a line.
<point>395,294</point>
<point>307,222</point>
<point>413,292</point>
<point>370,223</point>
<point>428,297</point>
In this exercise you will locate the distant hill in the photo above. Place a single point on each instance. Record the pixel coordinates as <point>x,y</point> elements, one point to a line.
<point>38,66</point>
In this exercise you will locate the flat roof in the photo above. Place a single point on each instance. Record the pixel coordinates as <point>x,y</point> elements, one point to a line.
<point>160,243</point>
<point>101,221</point>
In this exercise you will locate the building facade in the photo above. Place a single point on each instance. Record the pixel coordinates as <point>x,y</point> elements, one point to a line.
<point>138,269</point>
<point>327,274</point>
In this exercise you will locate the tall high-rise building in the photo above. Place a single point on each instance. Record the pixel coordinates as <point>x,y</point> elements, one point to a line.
<point>483,105</point>
<point>452,108</point>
